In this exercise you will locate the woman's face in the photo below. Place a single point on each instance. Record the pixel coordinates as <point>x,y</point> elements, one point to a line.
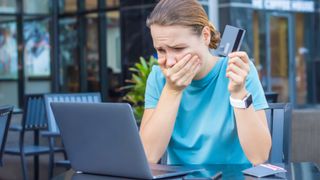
<point>174,42</point>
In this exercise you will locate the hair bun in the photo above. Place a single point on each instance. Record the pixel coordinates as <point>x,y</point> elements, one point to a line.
<point>215,36</point>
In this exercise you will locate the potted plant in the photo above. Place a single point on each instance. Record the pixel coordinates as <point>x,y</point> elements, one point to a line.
<point>137,85</point>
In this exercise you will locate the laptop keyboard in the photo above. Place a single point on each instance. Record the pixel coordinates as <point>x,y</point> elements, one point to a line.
<point>156,172</point>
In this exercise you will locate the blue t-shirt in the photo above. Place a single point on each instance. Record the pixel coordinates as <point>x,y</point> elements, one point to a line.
<point>205,129</point>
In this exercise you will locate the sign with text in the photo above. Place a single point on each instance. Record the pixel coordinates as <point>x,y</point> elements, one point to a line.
<point>284,5</point>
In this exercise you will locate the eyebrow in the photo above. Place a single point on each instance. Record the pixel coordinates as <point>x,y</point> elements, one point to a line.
<point>173,46</point>
<point>178,45</point>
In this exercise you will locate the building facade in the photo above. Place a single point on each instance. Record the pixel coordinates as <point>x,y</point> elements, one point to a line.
<point>58,46</point>
<point>88,45</point>
<point>283,40</point>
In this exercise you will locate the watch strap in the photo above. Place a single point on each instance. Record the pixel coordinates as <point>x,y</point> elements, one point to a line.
<point>242,104</point>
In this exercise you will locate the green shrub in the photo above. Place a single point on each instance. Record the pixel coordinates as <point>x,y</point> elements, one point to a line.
<point>137,85</point>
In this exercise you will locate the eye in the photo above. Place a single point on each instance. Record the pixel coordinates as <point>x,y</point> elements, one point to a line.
<point>161,50</point>
<point>179,48</point>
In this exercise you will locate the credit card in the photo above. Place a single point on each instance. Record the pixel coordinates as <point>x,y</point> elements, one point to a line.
<point>231,40</point>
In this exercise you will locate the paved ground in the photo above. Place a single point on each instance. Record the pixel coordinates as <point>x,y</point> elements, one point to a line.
<point>11,169</point>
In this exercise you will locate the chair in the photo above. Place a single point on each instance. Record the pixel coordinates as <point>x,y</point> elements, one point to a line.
<point>53,130</point>
<point>33,119</point>
<point>5,117</point>
<point>279,122</point>
<point>271,97</point>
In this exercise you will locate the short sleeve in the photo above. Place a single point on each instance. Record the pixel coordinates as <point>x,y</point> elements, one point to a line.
<point>254,86</point>
<point>155,83</point>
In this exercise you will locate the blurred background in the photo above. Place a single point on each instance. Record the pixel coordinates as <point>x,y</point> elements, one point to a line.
<point>88,45</point>
<point>49,46</point>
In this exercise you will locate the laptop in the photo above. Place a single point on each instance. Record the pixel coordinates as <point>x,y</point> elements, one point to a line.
<point>103,139</point>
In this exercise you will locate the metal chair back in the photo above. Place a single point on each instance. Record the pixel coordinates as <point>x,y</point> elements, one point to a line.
<point>271,97</point>
<point>279,122</point>
<point>35,114</point>
<point>5,117</point>
<point>69,97</point>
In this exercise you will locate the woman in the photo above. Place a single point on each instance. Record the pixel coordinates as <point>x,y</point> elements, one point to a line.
<point>187,106</point>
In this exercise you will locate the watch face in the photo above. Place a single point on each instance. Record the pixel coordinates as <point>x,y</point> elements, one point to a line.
<point>248,101</point>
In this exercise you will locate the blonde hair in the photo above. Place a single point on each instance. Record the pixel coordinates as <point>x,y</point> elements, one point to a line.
<point>185,13</point>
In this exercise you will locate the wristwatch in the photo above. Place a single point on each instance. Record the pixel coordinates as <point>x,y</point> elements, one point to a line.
<point>242,104</point>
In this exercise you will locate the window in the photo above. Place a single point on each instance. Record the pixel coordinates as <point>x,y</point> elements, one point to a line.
<point>69,69</point>
<point>8,6</point>
<point>67,6</point>
<point>112,3</point>
<point>113,41</point>
<point>91,4</point>
<point>37,48</point>
<point>8,48</point>
<point>36,6</point>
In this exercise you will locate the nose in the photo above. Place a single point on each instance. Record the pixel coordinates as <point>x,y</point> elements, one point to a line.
<point>171,60</point>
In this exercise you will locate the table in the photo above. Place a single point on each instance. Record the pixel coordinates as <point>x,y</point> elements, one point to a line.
<point>295,171</point>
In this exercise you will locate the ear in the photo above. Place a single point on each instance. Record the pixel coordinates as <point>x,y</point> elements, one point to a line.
<point>206,35</point>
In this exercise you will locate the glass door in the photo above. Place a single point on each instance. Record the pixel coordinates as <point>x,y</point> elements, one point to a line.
<point>280,56</point>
